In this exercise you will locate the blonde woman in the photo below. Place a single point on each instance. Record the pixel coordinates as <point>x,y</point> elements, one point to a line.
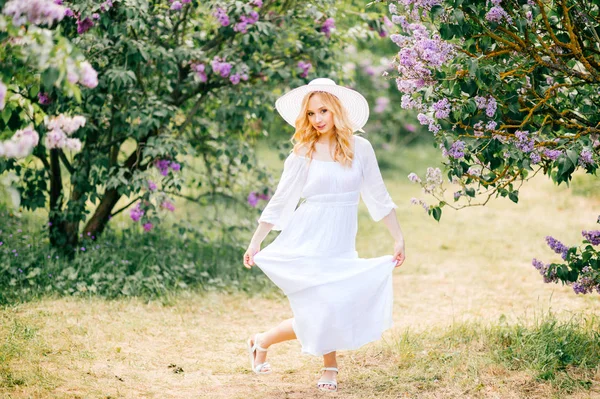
<point>339,301</point>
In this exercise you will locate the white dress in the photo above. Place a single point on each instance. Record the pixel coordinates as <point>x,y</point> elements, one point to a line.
<point>339,301</point>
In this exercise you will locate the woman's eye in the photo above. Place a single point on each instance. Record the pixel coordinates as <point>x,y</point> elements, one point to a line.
<point>324,111</point>
<point>310,114</point>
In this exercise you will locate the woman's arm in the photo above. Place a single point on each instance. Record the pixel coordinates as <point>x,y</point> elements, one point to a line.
<point>260,233</point>
<point>391,222</point>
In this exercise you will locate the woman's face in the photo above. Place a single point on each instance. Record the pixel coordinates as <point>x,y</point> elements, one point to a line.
<point>318,115</point>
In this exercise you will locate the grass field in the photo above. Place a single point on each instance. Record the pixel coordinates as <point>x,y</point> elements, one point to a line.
<point>472,319</point>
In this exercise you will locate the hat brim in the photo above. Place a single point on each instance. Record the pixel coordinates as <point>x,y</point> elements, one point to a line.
<point>289,105</point>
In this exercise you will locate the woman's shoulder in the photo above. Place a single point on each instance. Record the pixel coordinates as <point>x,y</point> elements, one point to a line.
<point>361,144</point>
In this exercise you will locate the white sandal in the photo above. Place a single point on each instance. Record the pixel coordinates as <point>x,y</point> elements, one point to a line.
<point>252,350</point>
<point>320,383</point>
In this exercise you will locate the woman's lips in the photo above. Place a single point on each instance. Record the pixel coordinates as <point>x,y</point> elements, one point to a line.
<point>320,127</point>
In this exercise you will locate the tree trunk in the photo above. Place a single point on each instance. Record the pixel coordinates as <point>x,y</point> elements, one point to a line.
<point>95,226</point>
<point>60,237</point>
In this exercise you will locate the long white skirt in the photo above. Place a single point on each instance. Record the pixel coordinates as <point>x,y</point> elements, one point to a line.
<point>339,301</point>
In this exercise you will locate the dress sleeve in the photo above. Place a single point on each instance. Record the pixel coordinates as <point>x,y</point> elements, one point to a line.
<point>372,189</point>
<point>282,204</point>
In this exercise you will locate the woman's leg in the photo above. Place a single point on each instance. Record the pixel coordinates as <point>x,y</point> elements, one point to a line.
<point>329,360</point>
<point>280,333</point>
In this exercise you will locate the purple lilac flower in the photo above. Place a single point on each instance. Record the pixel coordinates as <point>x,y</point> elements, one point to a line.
<point>457,195</point>
<point>585,158</point>
<point>151,185</point>
<point>200,71</point>
<point>328,26</point>
<point>491,107</point>
<point>305,66</point>
<point>414,178</point>
<point>252,199</point>
<point>221,67</point>
<point>549,277</point>
<point>381,104</point>
<point>95,16</point>
<point>221,16</point>
<point>423,119</point>
<point>491,125</point>
<point>442,108</point>
<point>456,151</point>
<point>524,143</point>
<point>535,158</point>
<point>235,78</point>
<point>84,25</point>
<point>410,127</point>
<point>264,197</point>
<point>168,205</point>
<point>592,236</point>
<point>480,102</point>
<point>256,3</point>
<point>176,6</point>
<point>147,226</point>
<point>175,167</point>
<point>552,154</point>
<point>163,166</point>
<point>136,213</point>
<point>44,98</point>
<point>393,8</point>
<point>557,246</point>
<point>3,90</point>
<point>497,14</point>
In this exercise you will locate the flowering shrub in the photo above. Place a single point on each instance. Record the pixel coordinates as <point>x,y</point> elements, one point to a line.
<point>508,89</point>
<point>115,94</point>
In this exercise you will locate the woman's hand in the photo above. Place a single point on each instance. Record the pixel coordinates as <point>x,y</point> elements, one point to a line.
<point>249,255</point>
<point>399,253</point>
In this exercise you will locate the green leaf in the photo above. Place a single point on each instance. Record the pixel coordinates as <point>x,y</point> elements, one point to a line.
<point>514,196</point>
<point>437,213</point>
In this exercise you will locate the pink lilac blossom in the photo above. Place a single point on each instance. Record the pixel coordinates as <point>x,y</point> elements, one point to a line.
<point>89,76</point>
<point>535,158</point>
<point>20,144</point>
<point>35,12</point>
<point>151,185</point>
<point>3,91</point>
<point>327,26</point>
<point>176,6</point>
<point>257,3</point>
<point>410,127</point>
<point>147,226</point>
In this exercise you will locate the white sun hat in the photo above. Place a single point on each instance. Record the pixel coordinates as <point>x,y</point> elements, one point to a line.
<point>356,105</point>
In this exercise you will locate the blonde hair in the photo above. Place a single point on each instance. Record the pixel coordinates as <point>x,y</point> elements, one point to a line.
<point>306,135</point>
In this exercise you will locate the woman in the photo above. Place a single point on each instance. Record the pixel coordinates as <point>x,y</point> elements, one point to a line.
<point>339,301</point>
